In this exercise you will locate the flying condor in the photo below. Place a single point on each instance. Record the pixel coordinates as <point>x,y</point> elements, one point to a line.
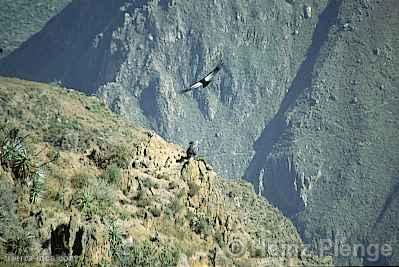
<point>204,82</point>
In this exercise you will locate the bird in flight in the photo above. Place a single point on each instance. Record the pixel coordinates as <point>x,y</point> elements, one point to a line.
<point>204,81</point>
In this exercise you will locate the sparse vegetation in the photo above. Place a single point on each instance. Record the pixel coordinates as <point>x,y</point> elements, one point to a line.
<point>14,155</point>
<point>143,200</point>
<point>16,237</point>
<point>148,253</point>
<point>94,199</point>
<point>112,174</point>
<point>200,223</point>
<point>118,250</point>
<point>81,180</point>
<point>193,188</point>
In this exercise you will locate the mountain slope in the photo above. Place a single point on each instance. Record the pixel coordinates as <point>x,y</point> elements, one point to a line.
<point>138,55</point>
<point>20,19</point>
<point>336,151</point>
<point>305,107</point>
<point>108,192</point>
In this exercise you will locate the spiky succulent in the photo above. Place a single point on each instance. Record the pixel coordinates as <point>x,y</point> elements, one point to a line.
<point>37,185</point>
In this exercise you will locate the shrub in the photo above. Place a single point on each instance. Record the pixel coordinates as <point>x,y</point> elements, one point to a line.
<point>120,156</point>
<point>147,253</point>
<point>176,205</point>
<point>173,185</point>
<point>18,237</point>
<point>112,174</point>
<point>94,199</point>
<point>15,156</point>
<point>143,200</point>
<point>62,133</point>
<point>200,223</point>
<point>20,240</point>
<point>118,252</point>
<point>81,180</point>
<point>155,211</point>
<point>147,182</point>
<point>85,202</point>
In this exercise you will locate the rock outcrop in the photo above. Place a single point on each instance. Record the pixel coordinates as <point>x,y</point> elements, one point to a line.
<point>116,194</point>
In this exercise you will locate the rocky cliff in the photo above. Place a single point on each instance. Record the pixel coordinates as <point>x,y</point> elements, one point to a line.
<point>79,184</point>
<point>138,55</point>
<point>329,160</point>
<point>20,19</point>
<point>304,107</point>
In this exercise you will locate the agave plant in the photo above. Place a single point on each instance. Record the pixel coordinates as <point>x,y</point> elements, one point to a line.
<point>85,202</point>
<point>116,241</point>
<point>37,186</point>
<point>22,166</point>
<point>15,156</point>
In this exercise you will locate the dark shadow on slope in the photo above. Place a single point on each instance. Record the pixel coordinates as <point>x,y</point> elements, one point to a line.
<point>387,204</point>
<point>164,4</point>
<point>148,100</point>
<point>73,47</point>
<point>59,240</point>
<point>270,135</point>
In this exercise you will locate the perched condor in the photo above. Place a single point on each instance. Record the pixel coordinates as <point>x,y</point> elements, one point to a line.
<point>204,81</point>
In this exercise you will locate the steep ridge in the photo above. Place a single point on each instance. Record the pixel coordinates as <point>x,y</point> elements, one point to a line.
<point>332,166</point>
<point>284,194</point>
<point>78,184</point>
<point>20,19</point>
<point>65,49</point>
<point>138,55</point>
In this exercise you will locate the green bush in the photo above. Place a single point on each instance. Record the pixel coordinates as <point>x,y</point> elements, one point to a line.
<point>62,133</point>
<point>120,156</point>
<point>18,237</point>
<point>118,251</point>
<point>94,199</point>
<point>143,200</point>
<point>81,180</point>
<point>20,240</point>
<point>173,185</point>
<point>112,175</point>
<point>147,182</point>
<point>176,205</point>
<point>147,253</point>
<point>155,211</point>
<point>15,155</point>
<point>200,224</point>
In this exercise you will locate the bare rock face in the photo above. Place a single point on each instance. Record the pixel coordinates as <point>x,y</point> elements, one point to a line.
<point>329,161</point>
<point>138,55</point>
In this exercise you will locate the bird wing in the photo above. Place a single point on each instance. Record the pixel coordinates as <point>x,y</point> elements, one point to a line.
<point>212,74</point>
<point>209,76</point>
<point>192,86</point>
